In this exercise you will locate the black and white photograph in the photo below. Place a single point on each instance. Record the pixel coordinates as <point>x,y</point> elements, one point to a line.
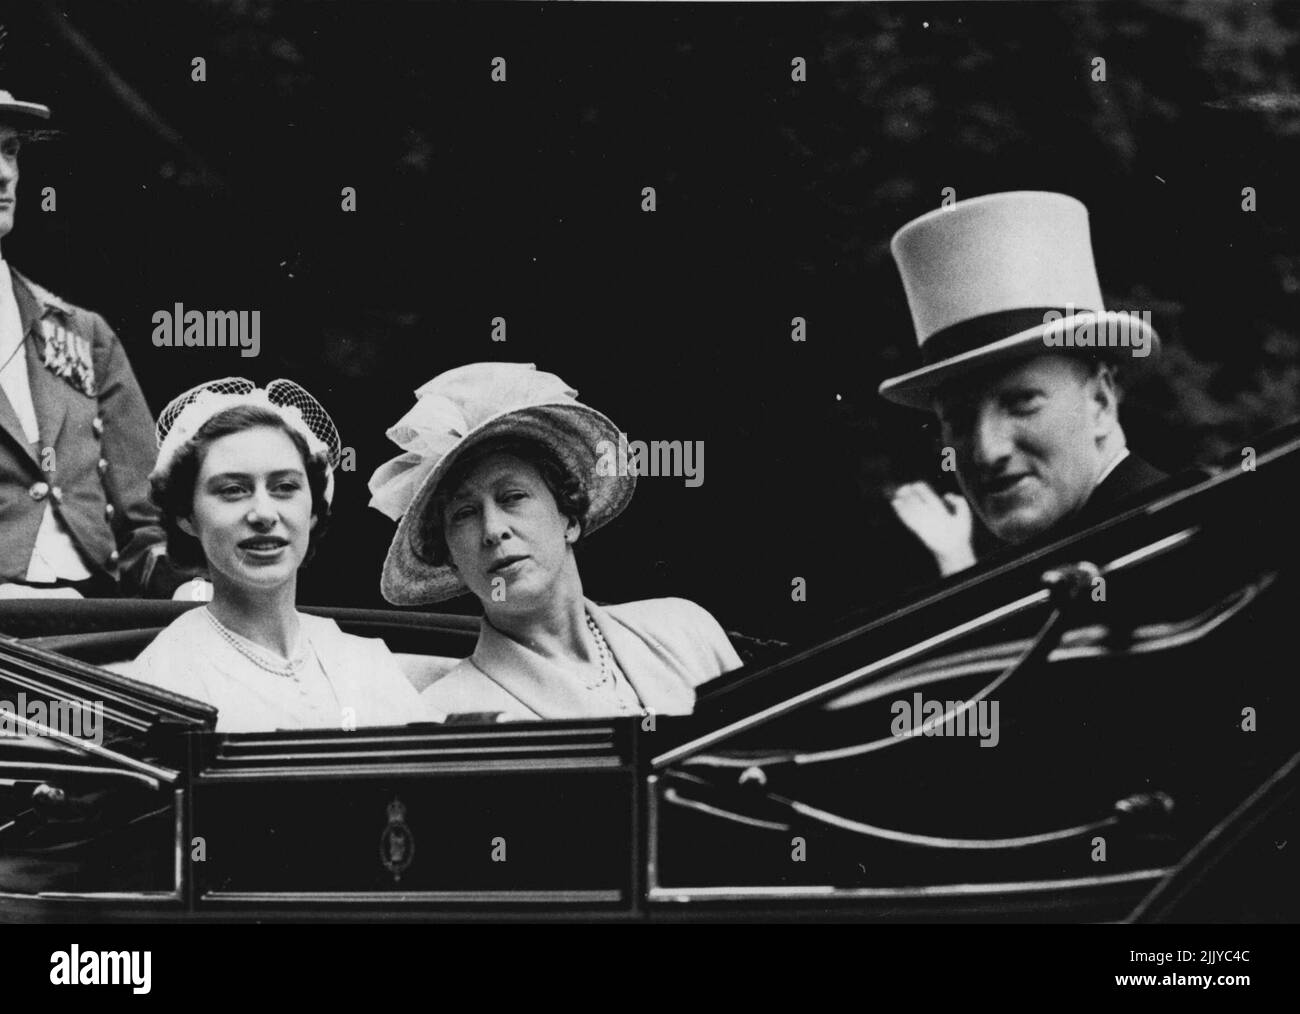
<point>651,463</point>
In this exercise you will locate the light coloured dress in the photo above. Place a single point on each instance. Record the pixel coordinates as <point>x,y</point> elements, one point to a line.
<point>344,682</point>
<point>662,649</point>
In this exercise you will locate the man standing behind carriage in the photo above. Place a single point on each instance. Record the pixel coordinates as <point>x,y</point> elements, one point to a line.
<point>1019,364</point>
<point>76,437</point>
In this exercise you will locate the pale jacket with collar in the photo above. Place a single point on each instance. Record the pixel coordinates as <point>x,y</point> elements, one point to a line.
<point>189,657</point>
<point>665,647</point>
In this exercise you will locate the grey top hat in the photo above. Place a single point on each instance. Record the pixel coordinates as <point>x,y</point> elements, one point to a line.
<point>1001,277</point>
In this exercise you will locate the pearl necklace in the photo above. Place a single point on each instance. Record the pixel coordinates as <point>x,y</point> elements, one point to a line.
<point>603,653</point>
<point>261,657</point>
<point>609,671</point>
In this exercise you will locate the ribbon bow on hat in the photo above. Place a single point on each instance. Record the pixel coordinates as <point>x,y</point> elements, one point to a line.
<point>448,408</point>
<point>457,410</point>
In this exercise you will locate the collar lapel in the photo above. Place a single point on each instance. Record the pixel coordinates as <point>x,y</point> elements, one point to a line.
<point>49,394</point>
<point>538,684</point>
<point>48,398</point>
<point>651,672</point>
<point>551,692</point>
<point>8,417</point>
<point>10,424</point>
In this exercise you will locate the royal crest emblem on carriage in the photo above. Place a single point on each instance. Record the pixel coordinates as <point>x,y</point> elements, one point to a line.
<point>397,843</point>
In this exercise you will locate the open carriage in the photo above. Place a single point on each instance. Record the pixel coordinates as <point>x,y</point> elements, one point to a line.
<point>1129,749</point>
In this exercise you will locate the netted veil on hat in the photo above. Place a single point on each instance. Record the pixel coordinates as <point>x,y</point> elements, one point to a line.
<point>458,410</point>
<point>185,415</point>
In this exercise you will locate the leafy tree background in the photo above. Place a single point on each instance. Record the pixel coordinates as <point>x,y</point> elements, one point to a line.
<point>776,199</point>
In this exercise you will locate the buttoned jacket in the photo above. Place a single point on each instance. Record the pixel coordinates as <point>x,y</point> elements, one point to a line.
<point>95,450</point>
<point>665,647</point>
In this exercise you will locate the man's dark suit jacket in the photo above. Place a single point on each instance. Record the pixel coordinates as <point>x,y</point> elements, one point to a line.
<point>1126,485</point>
<point>1129,478</point>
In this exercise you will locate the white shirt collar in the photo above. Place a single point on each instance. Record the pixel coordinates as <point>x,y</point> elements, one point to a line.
<point>1123,453</point>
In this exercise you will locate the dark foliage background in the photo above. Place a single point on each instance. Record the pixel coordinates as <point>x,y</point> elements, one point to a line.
<point>776,199</point>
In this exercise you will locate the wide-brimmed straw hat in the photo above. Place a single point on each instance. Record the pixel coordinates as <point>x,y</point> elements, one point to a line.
<point>1002,277</point>
<point>457,411</point>
<point>23,112</point>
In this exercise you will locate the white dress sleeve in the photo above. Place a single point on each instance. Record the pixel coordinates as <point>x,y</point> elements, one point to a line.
<point>395,701</point>
<point>166,664</point>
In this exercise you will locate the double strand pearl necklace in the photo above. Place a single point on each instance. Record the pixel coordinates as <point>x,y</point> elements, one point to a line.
<point>265,660</point>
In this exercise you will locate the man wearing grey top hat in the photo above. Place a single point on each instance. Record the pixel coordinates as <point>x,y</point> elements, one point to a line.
<point>1019,361</point>
<point>76,437</point>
